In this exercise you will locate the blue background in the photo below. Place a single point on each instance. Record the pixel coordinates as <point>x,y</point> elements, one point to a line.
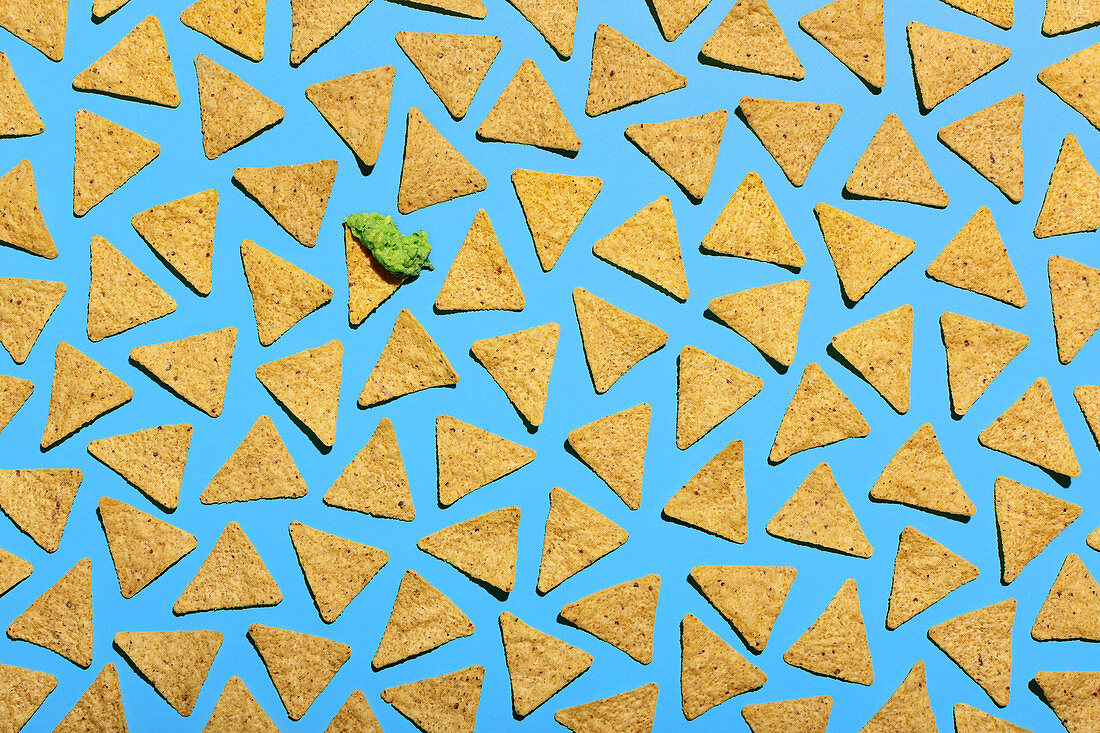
<point>630,182</point>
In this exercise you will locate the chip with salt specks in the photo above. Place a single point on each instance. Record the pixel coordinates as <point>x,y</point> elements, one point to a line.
<point>919,476</point>
<point>21,223</point>
<point>259,468</point>
<point>892,168</point>
<point>1031,430</point>
<point>102,9</point>
<point>554,205</point>
<point>41,24</point>
<point>944,62</point>
<point>432,171</point>
<point>977,352</point>
<point>465,8</point>
<point>576,536</point>
<point>749,598</point>
<point>674,16</point>
<point>613,339</point>
<point>819,414</point>
<point>908,708</point>
<point>711,671</point>
<point>991,140</point>
<point>1075,300</point>
<point>633,710</point>
<point>751,39</point>
<point>196,368</point>
<point>624,73</point>
<point>1072,696</point>
<point>107,155</point>
<point>520,363</point>
<point>357,107</point>
<point>614,448</point>
<point>453,64</point>
<point>99,709</point>
<point>14,393</point>
<point>142,546</point>
<point>480,277</point>
<point>686,149</point>
<point>1072,607</point>
<point>976,260</point>
<point>881,350</point>
<point>444,704</point>
<point>969,719</point>
<point>818,515</point>
<point>24,690</point>
<point>539,665</point>
<point>13,571</point>
<point>236,24</point>
<point>422,619</point>
<point>314,23</point>
<point>18,117</point>
<point>38,501</point>
<point>793,133</point>
<point>236,708</point>
<point>924,573</point>
<point>82,392</point>
<point>233,575</point>
<point>369,283</point>
<point>528,113</point>
<point>623,615</point>
<point>374,481</point>
<point>853,31</point>
<point>300,665</point>
<point>715,500</point>
<point>806,715</point>
<point>120,296</point>
<point>751,226</point>
<point>835,645</point>
<point>307,386</point>
<point>181,233</point>
<point>282,292</point>
<point>1027,521</point>
<point>137,68</point>
<point>768,317</point>
<point>1088,399</point>
<point>61,618</point>
<point>1070,203</point>
<point>980,642</point>
<point>231,110</point>
<point>647,246</point>
<point>862,252</point>
<point>1074,80</point>
<point>1093,540</point>
<point>25,307</point>
<point>709,390</point>
<point>556,20</point>
<point>295,196</point>
<point>469,457</point>
<point>175,663</point>
<point>483,548</point>
<point>354,716</point>
<point>998,12</point>
<point>336,569</point>
<point>1067,16</point>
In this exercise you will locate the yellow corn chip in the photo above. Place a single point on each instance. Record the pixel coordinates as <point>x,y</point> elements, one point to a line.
<point>315,22</point>
<point>980,642</point>
<point>992,141</point>
<point>1072,608</point>
<point>181,233</point>
<point>714,500</point>
<point>624,73</point>
<point>21,222</point>
<point>1027,521</point>
<point>232,111</point>
<point>976,353</point>
<point>614,448</point>
<point>1074,80</point>
<point>336,569</point>
<point>142,547</point>
<point>971,720</point>
<point>465,8</point>
<point>61,618</point>
<point>237,710</point>
<point>647,246</point>
<point>38,501</point>
<point>1066,16</point>
<point>749,598</point>
<point>41,24</point>
<point>468,457</point>
<point>553,204</point>
<point>175,663</point>
<point>444,704</point>
<point>1031,430</point>
<point>18,117</point>
<point>881,350</point>
<point>14,393</point>
<point>137,68</point>
<point>818,515</point>
<point>1072,696</point>
<point>835,645</point>
<point>976,259</point>
<point>82,392</point>
<point>369,283</point>
<point>539,665</point>
<point>853,31</point>
<point>944,63</point>
<point>924,572</point>
<point>909,708</point>
<point>1075,299</point>
<point>633,710</point>
<point>819,414</point>
<point>793,133</point>
<point>102,9</point>
<point>708,391</point>
<point>295,196</point>
<point>232,576</point>
<point>528,113</point>
<point>893,169</point>
<point>613,340</point>
<point>711,671</point>
<point>752,227</point>
<point>374,482</point>
<point>750,39</point>
<point>520,363</point>
<point>307,386</point>
<point>236,24</point>
<point>673,17</point>
<point>107,155</point>
<point>622,615</point>
<point>422,619</point>
<point>483,548</point>
<point>300,665</point>
<point>919,476</point>
<point>357,107</point>
<point>997,12</point>
<point>282,293</point>
<point>1070,203</point>
<point>685,149</point>
<point>259,468</point>
<point>576,536</point>
<point>99,709</point>
<point>1088,399</point>
<point>354,716</point>
<point>768,317</point>
<point>13,571</point>
<point>120,295</point>
<point>862,252</point>
<point>480,277</point>
<point>1093,539</point>
<point>23,691</point>
<point>806,715</point>
<point>25,306</point>
<point>452,64</point>
<point>432,171</point>
<point>196,368</point>
<point>556,20</point>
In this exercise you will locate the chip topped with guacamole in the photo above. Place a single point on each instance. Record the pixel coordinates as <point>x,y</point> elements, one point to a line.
<point>403,254</point>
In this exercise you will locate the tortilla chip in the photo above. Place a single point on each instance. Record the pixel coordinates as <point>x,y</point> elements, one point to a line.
<point>21,222</point>
<point>151,460</point>
<point>357,107</point>
<point>181,233</point>
<point>614,448</point>
<point>453,64</point>
<point>307,386</point>
<point>1093,540</point>
<point>793,133</point>
<point>647,246</point>
<point>1088,399</point>
<point>528,113</point>
<point>18,117</point>
<point>422,619</point>
<point>919,476</point>
<point>480,277</point>
<point>976,260</point>
<point>236,24</point>
<point>1031,430</point>
<point>314,23</point>
<point>468,457</point>
<point>576,536</point>
<point>622,615</point>
<point>909,708</point>
<point>282,293</point>
<point>23,691</point>
<point>750,39</point>
<point>971,720</point>
<point>818,414</point>
<point>711,671</point>
<point>991,140</point>
<point>539,665</point>
<point>862,252</point>
<point>195,369</point>
<point>1072,696</point>
<point>120,295</point>
<point>259,468</point>
<point>806,715</point>
<point>38,501</point>
<point>768,317</point>
<point>236,709</point>
<point>13,571</point>
<point>924,572</point>
<point>444,704</point>
<point>142,547</point>
<point>354,716</point>
<point>137,68</point>
<point>61,618</point>
<point>107,155</point>
<point>175,663</point>
<point>483,548</point>
<point>25,307</point>
<point>556,20</point>
<point>835,645</point>
<point>1074,80</point>
<point>295,196</point>
<point>369,283</point>
<point>881,350</point>
<point>554,205</point>
<point>749,598</point>
<point>14,393</point>
<point>99,709</point>
<point>1072,607</point>
<point>1070,203</point>
<point>83,391</point>
<point>714,500</point>
<point>633,710</point>
<point>751,226</point>
<point>685,149</point>
<point>818,515</point>
<point>232,576</point>
<point>980,642</point>
<point>893,169</point>
<point>997,12</point>
<point>432,171</point>
<point>944,63</point>
<point>1067,16</point>
<point>465,8</point>
<point>976,353</point>
<point>336,569</point>
<point>520,363</point>
<point>673,17</point>
<point>853,31</point>
<point>1027,521</point>
<point>1075,300</point>
<point>708,391</point>
<point>232,111</point>
<point>624,73</point>
<point>300,665</point>
<point>613,340</point>
<point>41,24</point>
<point>101,9</point>
<point>374,481</point>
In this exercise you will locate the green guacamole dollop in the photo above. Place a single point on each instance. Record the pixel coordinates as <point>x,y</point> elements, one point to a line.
<point>403,254</point>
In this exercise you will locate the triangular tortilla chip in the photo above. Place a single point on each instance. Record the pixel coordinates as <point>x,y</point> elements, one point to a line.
<point>444,704</point>
<point>749,598</point>
<point>410,362</point>
<point>520,363</point>
<point>614,448</point>
<point>38,501</point>
<point>750,39</point>
<point>107,155</point>
<point>468,457</point>
<point>976,260</point>
<point>1088,399</point>
<point>714,500</point>
<point>1074,80</point>
<point>909,708</point>
<point>647,246</point>
<point>768,317</point>
<point>354,716</point>
<point>357,107</point>
<point>752,227</point>
<point>862,252</point>
<point>528,113</point>
<point>971,720</point>
<point>18,117</point>
<point>893,169</point>
<point>99,709</point>
<point>232,111</point>
<point>1027,521</point>
<point>41,24</point>
<point>259,468</point>
<point>196,368</point>
<point>944,63</point>
<point>924,572</point>
<point>120,295</point>
<point>976,353</point>
<point>236,709</point>
<point>295,196</point>
<point>181,233</point>
<point>980,642</point>
<point>818,515</point>
<point>314,23</point>
<point>539,665</point>
<point>613,340</point>
<point>142,546</point>
<point>674,16</point>
<point>137,68</point>
<point>300,665</point>
<point>711,671</point>
<point>480,277</point>
<point>818,414</point>
<point>236,24</point>
<point>484,547</point>
<point>453,65</point>
<point>992,141</point>
<point>1070,203</point>
<point>13,571</point>
<point>374,481</point>
<point>83,391</point>
<point>232,576</point>
<point>369,283</point>
<point>336,569</point>
<point>422,619</point>
<point>61,618</point>
<point>175,663</point>
<point>556,20</point>
<point>553,204</point>
<point>919,476</point>
<point>999,13</point>
<point>805,715</point>
<point>633,710</point>
<point>576,536</point>
<point>1031,430</point>
<point>14,393</point>
<point>1072,697</point>
<point>853,31</point>
<point>1093,540</point>
<point>835,645</point>
<point>624,73</point>
<point>686,149</point>
<point>1075,299</point>
<point>1067,16</point>
<point>1072,607</point>
<point>881,350</point>
<point>25,307</point>
<point>708,391</point>
<point>622,615</point>
<point>24,691</point>
<point>102,9</point>
<point>21,222</point>
<point>793,133</point>
<point>432,171</point>
<point>464,8</point>
<point>282,293</point>
<point>307,385</point>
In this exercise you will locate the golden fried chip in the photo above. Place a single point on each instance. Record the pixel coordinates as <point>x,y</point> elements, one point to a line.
<point>714,499</point>
<point>259,468</point>
<point>38,501</point>
<point>1073,697</point>
<point>336,569</point>
<point>835,645</point>
<point>752,227</point>
<point>14,393</point>
<point>1031,430</point>
<point>622,615</point>
<point>647,246</point>
<point>196,368</point>
<point>556,20</point>
<point>99,709</point>
<point>892,168</point>
<point>991,140</point>
<point>614,448</point>
<point>314,23</point>
<point>1070,203</point>
<point>236,709</point>
<point>282,293</point>
<point>82,392</point>
<point>918,475</point>
<point>908,708</point>
<point>24,691</point>
<point>806,715</point>
<point>976,353</point>
<point>1072,607</point>
<point>711,671</point>
<point>673,17</point>
<point>749,598</point>
<point>818,414</point>
<point>307,385</point>
<point>300,665</point>
<point>944,63</point>
<point>881,350</point>
<point>1074,80</point>
<point>453,65</point>
<point>924,572</point>
<point>976,260</point>
<point>432,171</point>
<point>18,117</point>
<point>484,548</point>
<point>793,133</point>
<point>853,31</point>
<point>613,340</point>
<point>354,716</point>
<point>232,576</point>
<point>980,642</point>
<point>520,363</point>
<point>142,546</point>
<point>862,252</point>
<point>750,39</point>
<point>41,24</point>
<point>120,296</point>
<point>137,67</point>
<point>295,196</point>
<point>236,24</point>
<point>1075,300</point>
<point>232,111</point>
<point>468,457</point>
<point>61,618</point>
<point>539,665</point>
<point>633,710</point>
<point>181,233</point>
<point>175,663</point>
<point>576,536</point>
<point>107,155</point>
<point>624,73</point>
<point>768,317</point>
<point>554,205</point>
<point>708,391</point>
<point>998,12</point>
<point>1027,521</point>
<point>357,107</point>
<point>21,222</point>
<point>818,515</point>
<point>374,481</point>
<point>422,619</point>
<point>25,307</point>
<point>444,704</point>
<point>480,277</point>
<point>686,149</point>
<point>528,113</point>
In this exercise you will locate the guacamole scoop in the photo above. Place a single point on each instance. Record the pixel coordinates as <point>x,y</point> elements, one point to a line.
<point>402,254</point>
